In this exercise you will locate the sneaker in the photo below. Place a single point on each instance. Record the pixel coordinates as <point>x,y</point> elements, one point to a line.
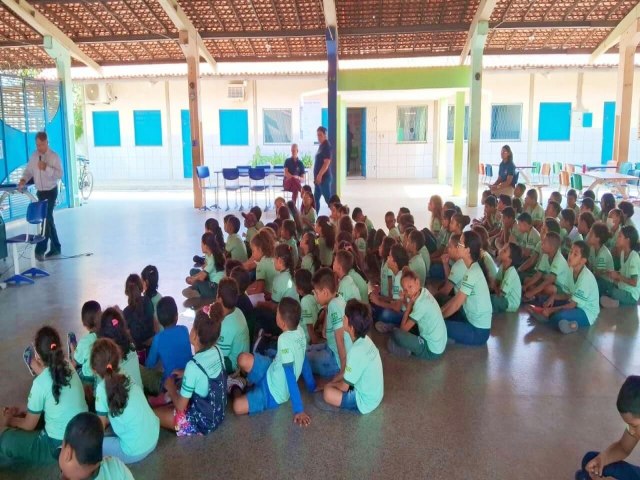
<point>397,350</point>
<point>28,355</point>
<point>234,381</point>
<point>383,327</point>
<point>567,327</point>
<point>72,344</point>
<point>608,302</point>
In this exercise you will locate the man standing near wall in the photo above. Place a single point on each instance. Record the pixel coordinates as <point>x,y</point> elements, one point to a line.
<point>321,170</point>
<point>45,168</point>
<point>293,174</point>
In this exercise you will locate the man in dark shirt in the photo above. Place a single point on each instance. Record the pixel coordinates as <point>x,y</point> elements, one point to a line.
<point>321,170</point>
<point>293,174</point>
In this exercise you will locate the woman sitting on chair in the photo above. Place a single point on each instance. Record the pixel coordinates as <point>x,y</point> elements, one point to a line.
<point>506,174</point>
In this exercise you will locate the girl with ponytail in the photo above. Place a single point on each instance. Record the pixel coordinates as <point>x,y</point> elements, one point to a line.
<point>56,392</point>
<point>122,404</point>
<point>469,313</point>
<point>139,312</point>
<point>113,326</point>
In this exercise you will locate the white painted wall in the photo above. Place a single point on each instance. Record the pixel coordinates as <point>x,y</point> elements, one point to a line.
<point>385,157</point>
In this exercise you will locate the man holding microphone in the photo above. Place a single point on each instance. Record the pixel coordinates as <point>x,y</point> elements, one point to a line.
<point>45,169</point>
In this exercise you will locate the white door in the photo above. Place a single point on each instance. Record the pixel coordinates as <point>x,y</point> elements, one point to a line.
<point>372,143</point>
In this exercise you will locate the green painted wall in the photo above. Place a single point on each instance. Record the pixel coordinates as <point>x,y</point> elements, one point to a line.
<point>404,78</point>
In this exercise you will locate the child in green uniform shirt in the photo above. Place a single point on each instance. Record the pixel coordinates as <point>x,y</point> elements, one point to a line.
<point>342,264</point>
<point>486,259</point>
<point>113,326</point>
<point>308,215</point>
<point>589,205</point>
<point>234,333</point>
<point>360,235</point>
<point>122,404</point>
<point>415,242</point>
<point>625,289</point>
<point>568,230</point>
<point>553,273</point>
<point>579,307</point>
<point>436,269</point>
<point>283,286</point>
<point>234,247</point>
<point>390,222</point>
<point>422,331</point>
<point>326,240</point>
<point>361,388</point>
<point>572,202</point>
<point>454,273</point>
<point>386,275</point>
<point>600,259</point>
<point>309,307</point>
<point>330,360</point>
<point>276,381</point>
<point>387,311</point>
<point>80,352</point>
<point>509,231</point>
<point>553,210</point>
<point>310,254</point>
<point>359,217</point>
<point>529,241</point>
<point>533,208</point>
<point>628,211</point>
<point>250,223</point>
<point>150,279</point>
<point>607,203</point>
<point>289,235</point>
<point>262,250</point>
<point>436,211</point>
<point>56,393</point>
<point>615,221</point>
<point>81,456</point>
<point>518,191</point>
<point>508,289</point>
<point>593,206</point>
<point>203,283</point>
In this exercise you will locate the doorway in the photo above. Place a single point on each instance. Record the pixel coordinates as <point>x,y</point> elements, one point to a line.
<point>356,142</point>
<point>187,163</point>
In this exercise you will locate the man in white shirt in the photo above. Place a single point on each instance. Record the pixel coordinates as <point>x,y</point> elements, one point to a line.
<point>45,169</point>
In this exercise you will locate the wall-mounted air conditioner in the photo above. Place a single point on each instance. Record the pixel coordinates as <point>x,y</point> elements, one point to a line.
<point>95,93</point>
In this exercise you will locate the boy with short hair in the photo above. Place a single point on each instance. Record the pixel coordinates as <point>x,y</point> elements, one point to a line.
<point>309,306</point>
<point>80,352</point>
<point>362,387</point>
<point>509,231</point>
<point>552,271</point>
<point>234,247</point>
<point>591,195</point>
<point>610,462</point>
<point>243,279</point>
<point>390,222</point>
<point>81,452</point>
<point>276,381</point>
<point>414,243</point>
<point>342,264</point>
<point>250,223</point>
<point>257,211</point>
<point>358,216</point>
<point>507,295</point>
<point>234,331</point>
<point>572,202</point>
<point>627,211</point>
<point>533,208</point>
<point>585,222</point>
<point>556,197</point>
<point>387,311</point>
<point>579,307</point>
<point>519,190</point>
<point>553,209</point>
<point>589,205</point>
<point>330,360</point>
<point>568,230</point>
<point>529,241</point>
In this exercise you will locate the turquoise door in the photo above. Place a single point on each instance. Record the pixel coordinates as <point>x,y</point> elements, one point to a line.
<point>187,164</point>
<point>608,126</point>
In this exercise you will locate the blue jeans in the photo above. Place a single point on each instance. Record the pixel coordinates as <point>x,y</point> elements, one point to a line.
<point>460,330</point>
<point>386,315</point>
<point>349,401</point>
<point>111,447</point>
<point>50,233</point>
<point>322,360</point>
<point>618,470</point>
<point>573,315</point>
<point>322,190</point>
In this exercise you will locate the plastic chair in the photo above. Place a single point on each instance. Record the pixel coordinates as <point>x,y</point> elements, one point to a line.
<point>204,178</point>
<point>481,172</point>
<point>231,177</point>
<point>625,168</point>
<point>546,172</point>
<point>256,176</point>
<point>576,182</point>
<point>535,171</point>
<point>36,215</point>
<point>563,177</point>
<point>569,168</point>
<point>637,174</point>
<point>488,170</point>
<point>557,168</point>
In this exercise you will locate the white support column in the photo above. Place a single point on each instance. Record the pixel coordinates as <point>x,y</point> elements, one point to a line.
<point>62,59</point>
<point>475,107</point>
<point>530,126</point>
<point>440,139</point>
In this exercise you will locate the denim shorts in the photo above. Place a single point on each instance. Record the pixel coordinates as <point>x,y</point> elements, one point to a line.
<point>349,401</point>
<point>259,397</point>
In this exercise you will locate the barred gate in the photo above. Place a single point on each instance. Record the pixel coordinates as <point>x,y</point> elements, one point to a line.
<point>28,106</point>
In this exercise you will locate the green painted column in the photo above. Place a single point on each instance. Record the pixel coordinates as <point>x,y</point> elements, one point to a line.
<point>341,146</point>
<point>475,104</point>
<point>458,143</point>
<point>63,65</point>
<point>442,107</point>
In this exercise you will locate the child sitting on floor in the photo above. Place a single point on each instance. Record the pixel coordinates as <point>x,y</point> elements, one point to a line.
<point>210,226</point>
<point>386,276</point>
<point>414,244</point>
<point>436,210</point>
<point>568,230</point>
<point>243,279</point>
<point>387,310</point>
<point>590,194</point>
<point>572,202</point>
<point>625,287</point>
<point>362,387</point>
<point>309,307</point>
<point>234,247</point>
<point>610,463</point>
<point>556,197</point>
<point>600,260</point>
<point>553,209</point>
<point>360,235</point>
<point>342,264</point>
<point>628,211</point>
<point>289,236</point>
<point>199,406</point>
<point>509,232</point>
<point>422,331</point>
<point>390,222</point>
<point>204,283</point>
<point>262,250</point>
<point>552,273</point>
<point>518,191</point>
<point>250,223</point>
<point>113,326</point>
<point>56,393</point>
<point>454,269</point>
<point>234,332</point>
<point>276,381</point>
<point>122,404</point>
<point>578,307</point>
<point>507,294</point>
<point>80,352</point>
<point>150,278</point>
<point>589,205</point>
<point>138,313</point>
<point>607,203</point>
<point>310,254</point>
<point>81,456</point>
<point>529,241</point>
<point>326,240</point>
<point>533,208</point>
<point>359,217</point>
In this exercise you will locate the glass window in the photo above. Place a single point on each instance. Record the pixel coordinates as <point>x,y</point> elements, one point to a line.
<point>412,124</point>
<point>277,125</point>
<point>506,122</point>
<point>451,119</point>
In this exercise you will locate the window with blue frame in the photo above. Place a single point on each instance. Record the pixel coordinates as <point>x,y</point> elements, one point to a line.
<point>276,125</point>
<point>411,124</point>
<point>506,122</point>
<point>147,127</point>
<point>451,111</point>
<point>234,127</point>
<point>106,129</point>
<point>554,122</point>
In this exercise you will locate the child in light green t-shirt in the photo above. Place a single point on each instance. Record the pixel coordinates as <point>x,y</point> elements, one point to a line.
<point>387,311</point>
<point>80,352</point>
<point>81,455</point>
<point>529,241</point>
<point>234,247</point>
<point>508,289</point>
<point>309,253</point>
<point>600,260</point>
<point>533,208</point>
<point>360,235</point>
<point>203,283</point>
<point>390,222</point>
<point>568,230</point>
<point>342,263</point>
<point>436,210</point>
<point>310,309</point>
<point>415,242</point>
<point>553,273</point>
<point>262,250</point>
<point>625,289</point>
<point>289,236</point>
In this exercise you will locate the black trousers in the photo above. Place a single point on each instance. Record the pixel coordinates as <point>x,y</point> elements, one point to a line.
<point>50,232</point>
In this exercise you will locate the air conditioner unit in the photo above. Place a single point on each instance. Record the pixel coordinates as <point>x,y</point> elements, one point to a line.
<point>236,91</point>
<point>98,93</point>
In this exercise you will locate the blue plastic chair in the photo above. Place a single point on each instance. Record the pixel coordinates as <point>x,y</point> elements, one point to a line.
<point>36,215</point>
<point>231,178</point>
<point>625,168</point>
<point>258,184</point>
<point>204,177</point>
<point>488,173</point>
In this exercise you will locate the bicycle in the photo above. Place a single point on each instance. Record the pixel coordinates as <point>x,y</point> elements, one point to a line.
<point>85,178</point>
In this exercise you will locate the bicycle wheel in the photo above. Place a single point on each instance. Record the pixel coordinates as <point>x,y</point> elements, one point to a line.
<point>86,185</point>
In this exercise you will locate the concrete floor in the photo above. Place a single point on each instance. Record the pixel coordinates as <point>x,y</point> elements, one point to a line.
<point>529,405</point>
